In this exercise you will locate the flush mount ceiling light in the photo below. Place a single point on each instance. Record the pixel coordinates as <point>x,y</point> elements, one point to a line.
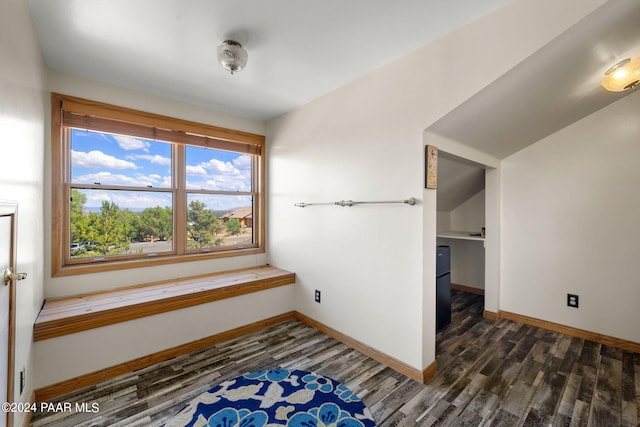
<point>232,56</point>
<point>622,76</point>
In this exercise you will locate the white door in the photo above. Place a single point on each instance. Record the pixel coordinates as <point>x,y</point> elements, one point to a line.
<point>7,297</point>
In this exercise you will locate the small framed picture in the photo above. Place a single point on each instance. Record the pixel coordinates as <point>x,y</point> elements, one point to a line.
<point>430,166</point>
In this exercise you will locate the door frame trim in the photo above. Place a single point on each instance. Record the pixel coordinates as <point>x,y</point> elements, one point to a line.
<point>9,208</point>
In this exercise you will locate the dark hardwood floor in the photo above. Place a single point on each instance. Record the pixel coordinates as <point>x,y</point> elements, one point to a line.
<point>493,373</point>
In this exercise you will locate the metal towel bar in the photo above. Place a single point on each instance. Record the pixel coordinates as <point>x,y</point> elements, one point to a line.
<point>349,203</point>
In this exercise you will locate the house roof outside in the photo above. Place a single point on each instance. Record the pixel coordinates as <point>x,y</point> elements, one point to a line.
<point>243,212</point>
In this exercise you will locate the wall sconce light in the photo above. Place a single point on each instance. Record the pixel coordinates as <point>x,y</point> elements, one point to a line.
<point>622,76</point>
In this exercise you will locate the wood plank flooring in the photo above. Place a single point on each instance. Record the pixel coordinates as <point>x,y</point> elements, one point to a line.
<point>491,373</point>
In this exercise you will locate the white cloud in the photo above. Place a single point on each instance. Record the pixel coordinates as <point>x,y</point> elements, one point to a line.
<point>226,183</point>
<point>219,167</point>
<point>97,159</point>
<point>133,200</point>
<point>130,143</point>
<point>107,178</point>
<point>197,185</point>
<point>215,174</point>
<point>155,159</point>
<point>96,198</point>
<point>242,162</point>
<point>236,183</point>
<point>196,170</point>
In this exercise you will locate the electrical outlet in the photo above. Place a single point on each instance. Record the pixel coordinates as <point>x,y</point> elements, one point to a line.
<point>572,300</point>
<point>23,379</point>
<point>317,296</point>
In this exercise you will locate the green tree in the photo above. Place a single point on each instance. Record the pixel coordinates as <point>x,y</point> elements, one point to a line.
<point>157,223</point>
<point>135,233</point>
<point>79,221</point>
<point>109,230</point>
<point>233,226</point>
<point>203,226</point>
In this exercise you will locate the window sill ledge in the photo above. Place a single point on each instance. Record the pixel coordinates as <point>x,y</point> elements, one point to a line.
<point>97,267</point>
<point>62,316</point>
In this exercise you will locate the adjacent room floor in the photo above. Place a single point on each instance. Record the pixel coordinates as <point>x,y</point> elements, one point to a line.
<point>490,373</point>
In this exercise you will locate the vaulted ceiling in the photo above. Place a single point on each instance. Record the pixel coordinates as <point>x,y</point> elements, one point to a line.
<point>458,181</point>
<point>556,86</point>
<point>553,88</point>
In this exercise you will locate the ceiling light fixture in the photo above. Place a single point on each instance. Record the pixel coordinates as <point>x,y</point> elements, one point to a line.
<point>232,56</point>
<point>622,76</point>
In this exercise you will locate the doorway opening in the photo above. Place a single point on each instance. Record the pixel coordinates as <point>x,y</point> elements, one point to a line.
<point>460,229</point>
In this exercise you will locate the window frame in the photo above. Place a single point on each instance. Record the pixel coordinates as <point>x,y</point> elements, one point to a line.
<point>71,112</point>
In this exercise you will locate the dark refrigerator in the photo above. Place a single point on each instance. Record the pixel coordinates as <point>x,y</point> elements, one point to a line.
<point>443,287</point>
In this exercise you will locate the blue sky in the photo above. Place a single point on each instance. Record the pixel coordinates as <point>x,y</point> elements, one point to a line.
<point>123,160</point>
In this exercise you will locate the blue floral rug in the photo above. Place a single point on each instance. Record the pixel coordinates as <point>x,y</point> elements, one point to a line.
<point>277,397</point>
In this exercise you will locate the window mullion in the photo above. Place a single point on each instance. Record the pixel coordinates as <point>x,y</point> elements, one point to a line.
<point>258,203</point>
<point>65,176</point>
<point>180,199</point>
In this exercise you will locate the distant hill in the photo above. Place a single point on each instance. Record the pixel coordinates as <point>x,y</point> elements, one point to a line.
<point>96,209</point>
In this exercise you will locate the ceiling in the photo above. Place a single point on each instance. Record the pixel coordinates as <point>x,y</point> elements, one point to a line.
<point>298,49</point>
<point>302,49</point>
<point>556,86</point>
<point>458,181</point>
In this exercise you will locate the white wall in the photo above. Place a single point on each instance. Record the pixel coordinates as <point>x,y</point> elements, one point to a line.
<point>467,256</point>
<point>492,246</point>
<point>571,211</point>
<point>467,262</point>
<point>443,221</point>
<point>469,216</point>
<point>375,265</point>
<point>96,349</point>
<point>22,117</point>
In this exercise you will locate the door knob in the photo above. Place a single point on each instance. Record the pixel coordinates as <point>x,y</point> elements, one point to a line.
<point>9,276</point>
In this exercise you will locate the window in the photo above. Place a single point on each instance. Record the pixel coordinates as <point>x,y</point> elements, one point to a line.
<point>132,189</point>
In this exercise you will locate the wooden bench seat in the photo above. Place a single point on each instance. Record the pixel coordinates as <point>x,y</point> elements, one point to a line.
<point>67,315</point>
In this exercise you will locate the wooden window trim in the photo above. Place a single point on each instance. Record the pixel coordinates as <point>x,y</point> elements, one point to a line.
<point>100,116</point>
